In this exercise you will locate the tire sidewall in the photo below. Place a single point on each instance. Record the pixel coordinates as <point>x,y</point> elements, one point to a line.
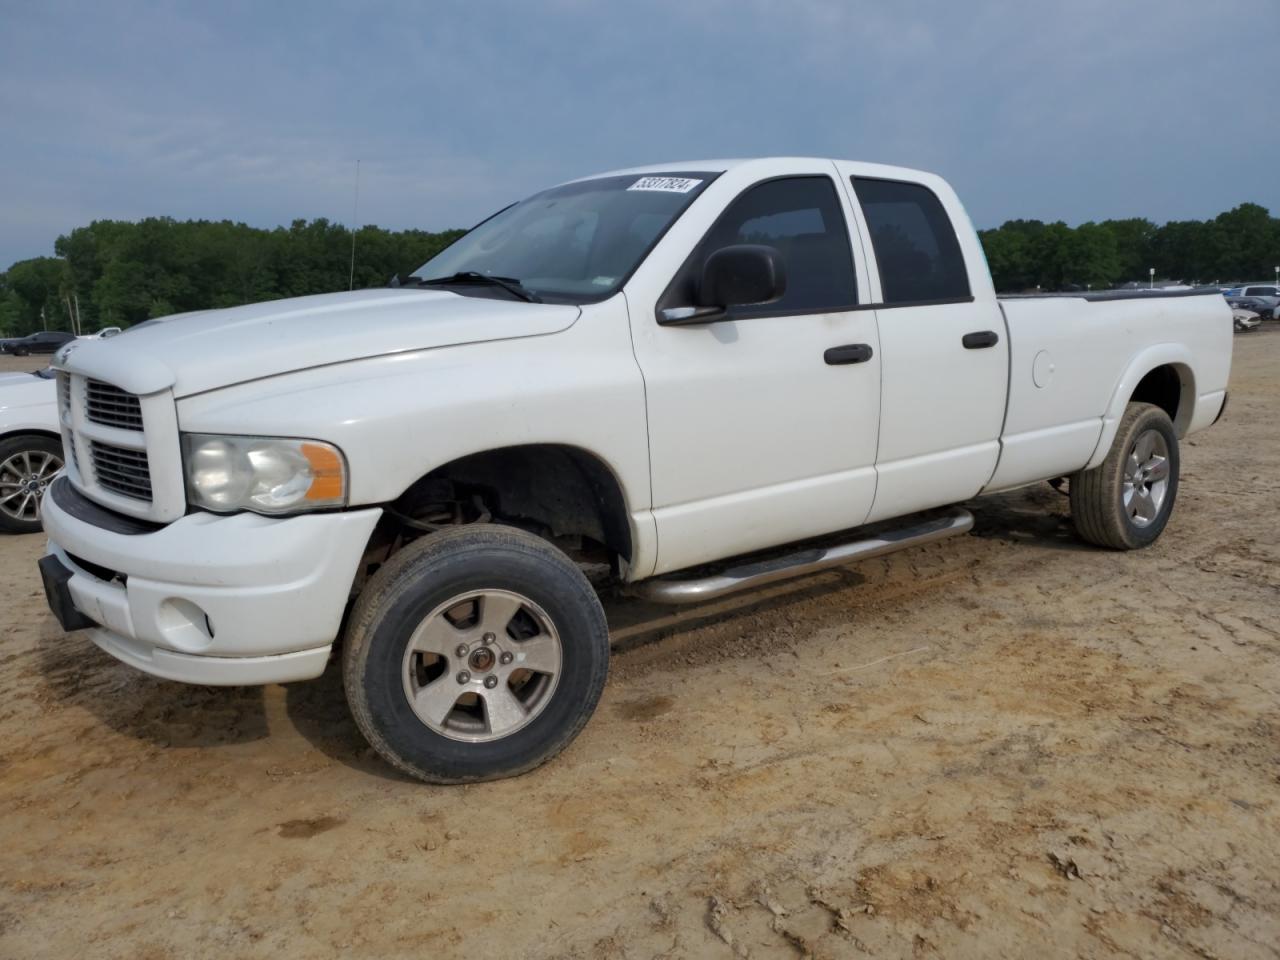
<point>1152,418</point>
<point>571,606</point>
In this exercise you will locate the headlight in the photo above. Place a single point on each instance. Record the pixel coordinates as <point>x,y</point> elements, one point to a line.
<point>262,474</point>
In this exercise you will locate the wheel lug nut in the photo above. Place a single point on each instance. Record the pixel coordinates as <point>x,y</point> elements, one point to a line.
<point>491,681</point>
<point>462,650</point>
<point>464,677</point>
<point>487,639</point>
<point>506,658</point>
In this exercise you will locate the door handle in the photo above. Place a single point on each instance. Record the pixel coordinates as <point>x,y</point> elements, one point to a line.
<point>980,339</point>
<point>849,353</point>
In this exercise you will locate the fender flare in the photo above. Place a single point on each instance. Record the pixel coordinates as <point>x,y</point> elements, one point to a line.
<point>26,428</point>
<point>1158,355</point>
<point>641,527</point>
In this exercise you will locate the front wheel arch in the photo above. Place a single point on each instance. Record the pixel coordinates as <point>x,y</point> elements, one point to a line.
<point>562,489</point>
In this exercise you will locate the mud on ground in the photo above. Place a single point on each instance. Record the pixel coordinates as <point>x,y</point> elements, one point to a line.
<point>1008,744</point>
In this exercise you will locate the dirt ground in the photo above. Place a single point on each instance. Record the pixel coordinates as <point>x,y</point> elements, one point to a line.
<point>1004,745</point>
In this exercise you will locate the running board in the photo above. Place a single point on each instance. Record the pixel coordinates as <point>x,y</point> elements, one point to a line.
<point>749,575</point>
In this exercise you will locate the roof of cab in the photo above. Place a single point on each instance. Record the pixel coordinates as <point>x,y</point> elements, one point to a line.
<point>720,166</point>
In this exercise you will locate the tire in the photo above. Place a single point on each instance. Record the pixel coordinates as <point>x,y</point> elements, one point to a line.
<point>27,465</point>
<point>21,352</point>
<point>477,575</point>
<point>1108,507</point>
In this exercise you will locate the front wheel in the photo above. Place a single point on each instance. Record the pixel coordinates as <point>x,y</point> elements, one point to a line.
<point>1125,502</point>
<point>475,653</point>
<point>27,466</point>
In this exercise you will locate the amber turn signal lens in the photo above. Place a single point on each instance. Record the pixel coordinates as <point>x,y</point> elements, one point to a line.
<point>326,469</point>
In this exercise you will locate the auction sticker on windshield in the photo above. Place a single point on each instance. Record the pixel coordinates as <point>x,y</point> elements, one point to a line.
<point>665,184</point>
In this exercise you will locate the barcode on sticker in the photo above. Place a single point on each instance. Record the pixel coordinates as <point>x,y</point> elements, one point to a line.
<point>665,184</point>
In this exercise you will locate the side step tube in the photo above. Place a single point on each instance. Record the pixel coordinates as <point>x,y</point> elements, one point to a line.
<point>747,576</point>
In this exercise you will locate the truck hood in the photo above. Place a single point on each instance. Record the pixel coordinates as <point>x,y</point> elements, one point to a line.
<point>195,352</point>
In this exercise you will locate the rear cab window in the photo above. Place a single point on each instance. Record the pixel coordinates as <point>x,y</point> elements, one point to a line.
<point>915,244</point>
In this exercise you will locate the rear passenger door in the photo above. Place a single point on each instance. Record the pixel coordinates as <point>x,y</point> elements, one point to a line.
<point>945,350</point>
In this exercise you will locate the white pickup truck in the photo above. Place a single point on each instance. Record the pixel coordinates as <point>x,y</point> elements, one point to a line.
<point>658,369</point>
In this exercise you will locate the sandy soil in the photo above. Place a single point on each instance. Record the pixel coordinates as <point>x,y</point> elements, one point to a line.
<point>9,363</point>
<point>1005,745</point>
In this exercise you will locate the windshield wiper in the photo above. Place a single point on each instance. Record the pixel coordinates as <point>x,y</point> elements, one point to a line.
<point>509,284</point>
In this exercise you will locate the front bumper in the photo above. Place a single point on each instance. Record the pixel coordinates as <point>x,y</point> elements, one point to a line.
<point>222,600</point>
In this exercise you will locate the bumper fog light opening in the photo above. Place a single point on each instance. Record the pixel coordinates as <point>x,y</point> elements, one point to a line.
<point>185,625</point>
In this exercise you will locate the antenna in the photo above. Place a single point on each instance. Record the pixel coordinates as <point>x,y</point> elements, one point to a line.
<point>355,222</point>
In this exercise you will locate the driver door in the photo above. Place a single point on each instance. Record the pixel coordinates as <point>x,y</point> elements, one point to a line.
<point>762,430</point>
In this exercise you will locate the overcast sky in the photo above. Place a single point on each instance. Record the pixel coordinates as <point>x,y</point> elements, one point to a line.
<point>257,111</point>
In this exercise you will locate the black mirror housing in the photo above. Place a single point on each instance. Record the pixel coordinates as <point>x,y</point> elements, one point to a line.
<point>742,274</point>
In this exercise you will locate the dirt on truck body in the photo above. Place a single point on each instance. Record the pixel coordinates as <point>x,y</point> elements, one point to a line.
<point>1006,744</point>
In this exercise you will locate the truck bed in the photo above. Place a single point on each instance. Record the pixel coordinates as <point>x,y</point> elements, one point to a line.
<point>1069,362</point>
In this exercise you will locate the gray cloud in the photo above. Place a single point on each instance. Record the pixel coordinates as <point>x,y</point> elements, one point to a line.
<point>257,112</point>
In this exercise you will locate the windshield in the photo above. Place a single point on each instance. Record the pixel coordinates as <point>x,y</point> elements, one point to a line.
<point>576,243</point>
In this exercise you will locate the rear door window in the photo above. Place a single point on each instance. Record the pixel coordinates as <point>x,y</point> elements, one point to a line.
<point>915,244</point>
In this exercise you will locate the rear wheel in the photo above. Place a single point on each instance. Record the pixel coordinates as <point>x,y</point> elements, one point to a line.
<point>475,653</point>
<point>1126,502</point>
<point>27,466</point>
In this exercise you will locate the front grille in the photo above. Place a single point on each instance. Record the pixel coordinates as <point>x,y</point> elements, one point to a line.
<point>64,413</point>
<point>121,471</point>
<point>109,433</point>
<point>111,406</point>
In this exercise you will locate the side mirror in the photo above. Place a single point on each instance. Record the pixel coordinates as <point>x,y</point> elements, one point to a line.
<point>733,276</point>
<point>742,274</point>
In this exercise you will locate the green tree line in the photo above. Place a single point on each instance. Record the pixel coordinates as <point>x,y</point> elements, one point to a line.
<point>118,273</point>
<point>1239,245</point>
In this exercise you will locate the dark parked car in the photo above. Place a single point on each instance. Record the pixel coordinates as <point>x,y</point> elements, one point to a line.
<point>1264,307</point>
<point>46,341</point>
